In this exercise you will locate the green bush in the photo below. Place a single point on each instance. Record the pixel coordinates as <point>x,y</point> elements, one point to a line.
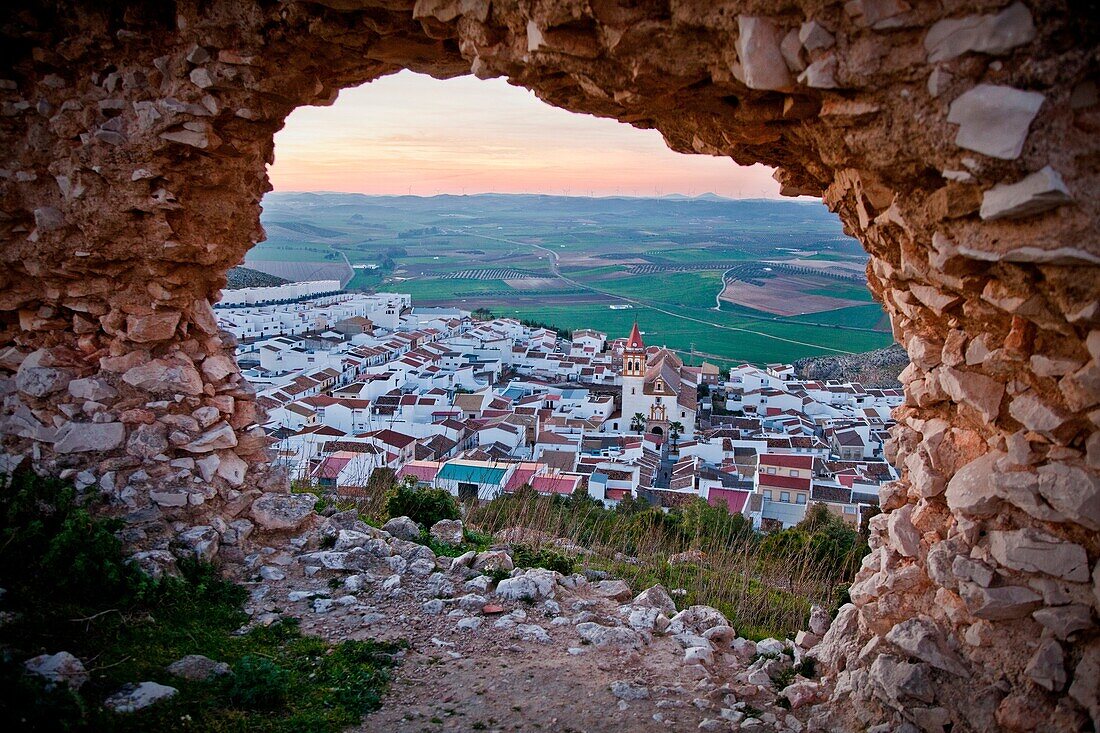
<point>528,557</point>
<point>423,506</point>
<point>258,684</point>
<point>70,589</point>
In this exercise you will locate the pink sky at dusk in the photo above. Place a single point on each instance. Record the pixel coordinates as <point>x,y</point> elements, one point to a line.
<point>409,132</point>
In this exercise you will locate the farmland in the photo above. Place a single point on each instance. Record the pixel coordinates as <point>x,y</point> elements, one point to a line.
<point>741,280</point>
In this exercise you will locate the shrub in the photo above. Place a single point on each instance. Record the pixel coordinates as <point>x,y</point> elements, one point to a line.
<point>258,684</point>
<point>528,557</point>
<point>69,588</point>
<point>423,506</point>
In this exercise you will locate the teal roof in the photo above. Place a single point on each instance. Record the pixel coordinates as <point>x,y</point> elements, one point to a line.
<point>470,474</point>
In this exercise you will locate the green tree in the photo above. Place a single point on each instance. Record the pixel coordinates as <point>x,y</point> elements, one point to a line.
<point>675,430</point>
<point>637,423</point>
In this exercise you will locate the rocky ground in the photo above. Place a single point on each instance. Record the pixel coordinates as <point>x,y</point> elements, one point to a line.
<point>246,277</point>
<point>535,650</point>
<point>873,369</point>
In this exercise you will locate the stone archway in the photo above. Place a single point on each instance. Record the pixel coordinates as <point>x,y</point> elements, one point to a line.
<point>657,430</point>
<point>958,143</point>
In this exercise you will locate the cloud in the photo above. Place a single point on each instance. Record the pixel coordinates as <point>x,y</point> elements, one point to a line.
<point>406,130</point>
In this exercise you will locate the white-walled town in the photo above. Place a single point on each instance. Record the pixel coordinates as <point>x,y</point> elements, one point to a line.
<point>481,407</point>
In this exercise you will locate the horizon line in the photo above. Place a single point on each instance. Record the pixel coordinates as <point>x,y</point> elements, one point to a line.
<point>709,195</point>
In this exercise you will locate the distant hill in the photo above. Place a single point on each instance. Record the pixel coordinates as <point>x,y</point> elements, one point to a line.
<point>246,277</point>
<point>873,369</point>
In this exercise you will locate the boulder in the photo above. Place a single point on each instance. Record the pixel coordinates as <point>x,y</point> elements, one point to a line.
<point>819,620</point>
<point>133,697</point>
<point>83,437</point>
<point>61,668</point>
<point>491,560</point>
<point>534,585</point>
<point>616,590</point>
<point>759,54</point>
<point>218,437</point>
<point>201,542</point>
<point>155,563</point>
<point>1047,667</point>
<point>656,597</point>
<point>1034,551</point>
<point>922,638</point>
<point>197,668</point>
<point>697,619</point>
<point>402,528</point>
<point>1041,191</point>
<point>275,512</point>
<point>447,532</point>
<point>609,636</point>
<point>156,326</point>
<point>770,647</point>
<point>993,34</point>
<point>800,694</point>
<point>999,604</point>
<point>167,376</point>
<point>994,120</point>
<point>92,389</point>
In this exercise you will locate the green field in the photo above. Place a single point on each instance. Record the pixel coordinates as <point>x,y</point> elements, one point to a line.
<point>719,341</point>
<point>421,244</point>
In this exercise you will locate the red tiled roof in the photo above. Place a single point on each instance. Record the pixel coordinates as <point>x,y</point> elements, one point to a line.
<point>777,481</point>
<point>732,499</point>
<point>787,460</point>
<point>555,484</point>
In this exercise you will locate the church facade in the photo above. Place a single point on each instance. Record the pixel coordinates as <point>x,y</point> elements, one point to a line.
<point>657,386</point>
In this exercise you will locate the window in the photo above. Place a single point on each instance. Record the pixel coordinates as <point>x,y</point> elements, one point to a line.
<point>793,472</point>
<point>659,386</point>
<point>683,414</point>
<point>800,498</point>
<point>768,495</point>
<point>785,496</point>
<point>771,470</point>
<point>633,391</point>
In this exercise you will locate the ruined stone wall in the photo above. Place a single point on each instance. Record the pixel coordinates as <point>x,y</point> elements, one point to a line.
<point>957,140</point>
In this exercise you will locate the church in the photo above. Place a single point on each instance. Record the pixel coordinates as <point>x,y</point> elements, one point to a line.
<point>657,385</point>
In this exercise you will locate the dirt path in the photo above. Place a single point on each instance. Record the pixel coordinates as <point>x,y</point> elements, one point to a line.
<point>562,654</point>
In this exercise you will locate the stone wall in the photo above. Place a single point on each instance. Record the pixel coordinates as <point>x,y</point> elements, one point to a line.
<point>957,140</point>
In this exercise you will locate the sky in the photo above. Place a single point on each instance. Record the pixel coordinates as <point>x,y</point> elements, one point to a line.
<point>409,133</point>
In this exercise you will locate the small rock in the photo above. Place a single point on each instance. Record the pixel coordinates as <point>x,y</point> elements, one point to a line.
<point>197,667</point>
<point>625,690</point>
<point>60,668</point>
<point>532,632</point>
<point>133,697</point>
<point>276,512</point>
<point>473,623</point>
<point>403,528</point>
<point>447,532</point>
<point>1034,194</point>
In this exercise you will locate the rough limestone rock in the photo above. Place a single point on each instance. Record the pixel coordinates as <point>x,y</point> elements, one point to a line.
<point>402,528</point>
<point>1034,194</point>
<point>196,667</point>
<point>136,144</point>
<point>447,531</point>
<point>61,668</point>
<point>275,512</point>
<point>133,697</point>
<point>656,597</point>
